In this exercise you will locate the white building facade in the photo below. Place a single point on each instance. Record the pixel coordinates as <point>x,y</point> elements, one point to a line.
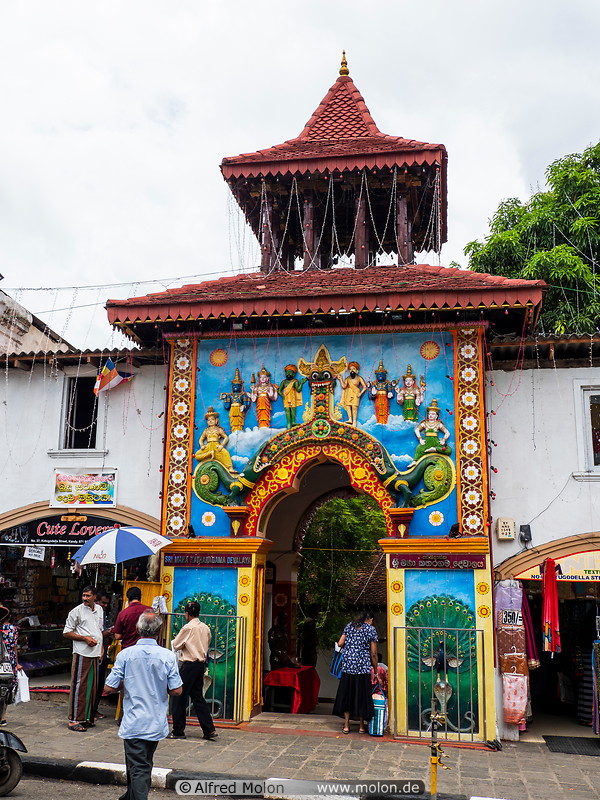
<point>543,402</point>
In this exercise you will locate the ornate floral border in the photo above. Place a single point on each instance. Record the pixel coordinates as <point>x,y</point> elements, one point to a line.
<point>471,452</point>
<point>180,437</point>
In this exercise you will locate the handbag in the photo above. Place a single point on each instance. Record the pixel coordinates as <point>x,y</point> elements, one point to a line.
<point>378,722</point>
<point>22,695</point>
<point>336,662</point>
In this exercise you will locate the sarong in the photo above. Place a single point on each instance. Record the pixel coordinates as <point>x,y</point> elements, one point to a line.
<point>84,677</point>
<point>514,697</point>
<point>263,411</point>
<point>382,408</point>
<point>236,417</point>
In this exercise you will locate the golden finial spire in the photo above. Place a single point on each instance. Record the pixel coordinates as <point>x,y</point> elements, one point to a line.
<point>344,68</point>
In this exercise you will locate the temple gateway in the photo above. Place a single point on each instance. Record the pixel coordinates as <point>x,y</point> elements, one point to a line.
<point>339,366</point>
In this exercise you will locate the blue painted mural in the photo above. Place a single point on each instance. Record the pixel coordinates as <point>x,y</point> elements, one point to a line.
<point>377,388</point>
<point>215,589</point>
<point>441,648</point>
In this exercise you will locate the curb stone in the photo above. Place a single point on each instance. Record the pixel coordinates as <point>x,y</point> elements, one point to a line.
<point>114,774</point>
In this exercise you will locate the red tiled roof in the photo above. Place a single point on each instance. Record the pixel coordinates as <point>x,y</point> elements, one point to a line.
<point>410,287</point>
<point>342,135</point>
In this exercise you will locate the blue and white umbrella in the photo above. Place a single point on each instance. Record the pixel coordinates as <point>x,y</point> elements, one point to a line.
<point>120,544</point>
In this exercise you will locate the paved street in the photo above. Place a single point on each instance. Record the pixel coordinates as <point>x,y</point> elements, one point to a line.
<point>30,788</point>
<point>520,772</point>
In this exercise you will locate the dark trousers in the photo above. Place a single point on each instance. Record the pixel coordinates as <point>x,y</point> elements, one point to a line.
<point>102,670</point>
<point>192,675</point>
<point>139,754</point>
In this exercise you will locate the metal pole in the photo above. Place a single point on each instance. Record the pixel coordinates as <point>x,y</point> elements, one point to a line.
<point>433,758</point>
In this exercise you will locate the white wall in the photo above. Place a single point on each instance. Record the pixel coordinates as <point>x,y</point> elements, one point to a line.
<point>539,479</point>
<point>130,429</point>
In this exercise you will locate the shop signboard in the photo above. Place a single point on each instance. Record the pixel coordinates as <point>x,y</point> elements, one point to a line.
<point>75,488</point>
<point>584,567</point>
<point>208,560</point>
<point>437,561</point>
<point>68,530</point>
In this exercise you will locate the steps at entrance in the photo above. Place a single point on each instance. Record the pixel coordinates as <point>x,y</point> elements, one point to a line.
<point>305,722</point>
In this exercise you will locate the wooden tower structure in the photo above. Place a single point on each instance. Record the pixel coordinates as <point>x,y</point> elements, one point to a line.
<point>342,191</point>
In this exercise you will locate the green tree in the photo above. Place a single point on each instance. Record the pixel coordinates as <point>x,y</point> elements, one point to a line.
<point>341,539</point>
<point>555,237</point>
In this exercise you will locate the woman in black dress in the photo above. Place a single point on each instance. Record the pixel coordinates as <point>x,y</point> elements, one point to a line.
<point>354,696</point>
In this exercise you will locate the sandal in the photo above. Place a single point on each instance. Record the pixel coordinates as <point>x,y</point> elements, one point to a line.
<point>362,730</point>
<point>78,728</point>
<point>345,731</point>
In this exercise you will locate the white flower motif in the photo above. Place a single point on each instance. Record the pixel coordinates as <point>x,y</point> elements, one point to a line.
<point>183,343</point>
<point>176,522</point>
<point>469,399</point>
<point>177,500</point>
<point>468,332</point>
<point>209,518</point>
<point>471,472</point>
<point>436,518</point>
<point>469,423</point>
<point>467,351</point>
<point>470,447</point>
<point>180,408</point>
<point>179,453</point>
<point>473,521</point>
<point>177,476</point>
<point>182,363</point>
<point>468,374</point>
<point>472,497</point>
<point>182,384</point>
<point>180,431</point>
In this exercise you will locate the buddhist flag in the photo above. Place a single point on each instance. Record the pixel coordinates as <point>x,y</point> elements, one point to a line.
<point>109,377</point>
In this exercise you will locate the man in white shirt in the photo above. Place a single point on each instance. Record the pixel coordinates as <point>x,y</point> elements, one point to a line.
<point>192,643</point>
<point>84,627</point>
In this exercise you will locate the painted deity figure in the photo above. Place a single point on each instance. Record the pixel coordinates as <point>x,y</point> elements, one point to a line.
<point>381,392</point>
<point>213,441</point>
<point>410,395</point>
<point>429,432</point>
<point>353,388</point>
<point>237,402</point>
<point>263,393</point>
<point>290,390</point>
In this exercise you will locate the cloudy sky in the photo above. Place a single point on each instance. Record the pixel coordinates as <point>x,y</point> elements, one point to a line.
<point>116,115</point>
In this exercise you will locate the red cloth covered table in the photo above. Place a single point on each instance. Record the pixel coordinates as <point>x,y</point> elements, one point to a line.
<point>304,681</point>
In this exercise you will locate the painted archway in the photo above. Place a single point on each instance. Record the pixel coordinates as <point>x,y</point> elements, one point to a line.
<point>284,477</point>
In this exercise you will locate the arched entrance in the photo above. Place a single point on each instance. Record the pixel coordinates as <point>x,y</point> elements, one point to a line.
<point>278,510</point>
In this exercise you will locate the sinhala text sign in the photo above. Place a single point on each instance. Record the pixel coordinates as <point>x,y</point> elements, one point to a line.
<point>84,488</point>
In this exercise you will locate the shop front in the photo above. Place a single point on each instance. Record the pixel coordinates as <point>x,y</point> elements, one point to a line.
<point>560,671</point>
<point>38,581</point>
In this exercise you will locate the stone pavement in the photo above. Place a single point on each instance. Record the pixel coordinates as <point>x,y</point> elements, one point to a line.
<point>519,772</point>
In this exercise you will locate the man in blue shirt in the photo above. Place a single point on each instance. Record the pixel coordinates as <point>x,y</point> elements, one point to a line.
<point>148,674</point>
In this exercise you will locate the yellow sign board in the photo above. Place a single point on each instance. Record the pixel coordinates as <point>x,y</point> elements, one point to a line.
<point>574,567</point>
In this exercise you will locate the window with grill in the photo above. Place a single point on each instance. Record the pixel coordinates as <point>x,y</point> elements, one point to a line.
<point>81,414</point>
<point>593,405</point>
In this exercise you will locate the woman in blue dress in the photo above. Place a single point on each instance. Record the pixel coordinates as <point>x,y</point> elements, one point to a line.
<point>354,695</point>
